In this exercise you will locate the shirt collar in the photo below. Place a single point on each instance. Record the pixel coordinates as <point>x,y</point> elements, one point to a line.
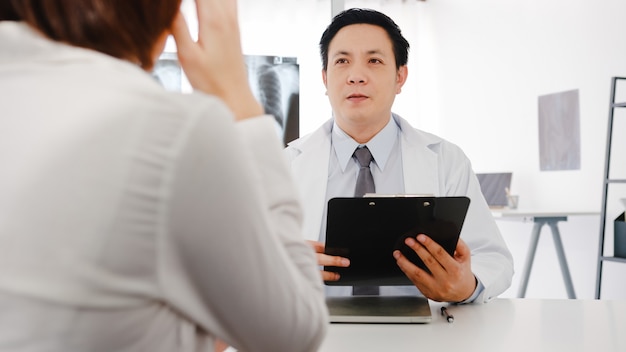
<point>380,146</point>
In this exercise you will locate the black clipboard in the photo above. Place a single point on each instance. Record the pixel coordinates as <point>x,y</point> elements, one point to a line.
<point>368,230</point>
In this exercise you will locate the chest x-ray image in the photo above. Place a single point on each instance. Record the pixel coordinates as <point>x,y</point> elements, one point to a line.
<point>274,80</point>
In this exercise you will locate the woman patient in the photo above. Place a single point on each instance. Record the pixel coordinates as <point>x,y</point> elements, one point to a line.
<point>135,219</point>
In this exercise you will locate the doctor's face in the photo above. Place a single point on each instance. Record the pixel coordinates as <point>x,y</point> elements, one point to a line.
<point>361,78</point>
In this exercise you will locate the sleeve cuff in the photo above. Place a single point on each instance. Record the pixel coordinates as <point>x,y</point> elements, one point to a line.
<point>479,289</point>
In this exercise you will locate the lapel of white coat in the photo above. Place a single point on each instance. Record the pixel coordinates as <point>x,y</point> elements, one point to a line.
<point>310,168</point>
<point>420,163</point>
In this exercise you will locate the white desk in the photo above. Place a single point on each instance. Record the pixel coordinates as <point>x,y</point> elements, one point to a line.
<point>549,325</point>
<point>541,218</point>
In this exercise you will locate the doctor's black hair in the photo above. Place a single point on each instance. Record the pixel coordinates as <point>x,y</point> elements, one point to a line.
<point>366,16</point>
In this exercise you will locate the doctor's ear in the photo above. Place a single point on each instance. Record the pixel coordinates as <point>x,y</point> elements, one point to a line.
<point>402,74</point>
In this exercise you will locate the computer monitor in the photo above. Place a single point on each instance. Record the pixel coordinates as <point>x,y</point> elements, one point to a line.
<point>495,187</point>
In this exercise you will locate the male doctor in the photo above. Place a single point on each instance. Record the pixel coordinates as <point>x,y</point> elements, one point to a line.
<point>364,59</point>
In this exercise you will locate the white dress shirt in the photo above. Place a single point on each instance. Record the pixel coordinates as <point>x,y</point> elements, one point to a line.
<point>343,169</point>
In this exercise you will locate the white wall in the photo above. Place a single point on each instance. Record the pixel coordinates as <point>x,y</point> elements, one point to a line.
<point>476,69</point>
<point>495,57</point>
<point>491,60</point>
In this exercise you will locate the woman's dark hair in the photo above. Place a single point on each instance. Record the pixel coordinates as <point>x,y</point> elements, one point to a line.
<point>366,16</point>
<point>126,29</point>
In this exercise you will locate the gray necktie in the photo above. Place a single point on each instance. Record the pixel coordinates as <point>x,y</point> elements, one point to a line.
<point>364,181</point>
<point>364,184</point>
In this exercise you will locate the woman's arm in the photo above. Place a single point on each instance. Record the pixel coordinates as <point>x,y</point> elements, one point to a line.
<point>244,273</point>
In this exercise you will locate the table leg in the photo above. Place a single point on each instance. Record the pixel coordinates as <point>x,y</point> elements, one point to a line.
<point>558,244</point>
<point>530,257</point>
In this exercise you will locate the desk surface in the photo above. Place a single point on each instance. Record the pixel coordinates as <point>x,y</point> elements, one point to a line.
<point>552,325</point>
<point>527,213</point>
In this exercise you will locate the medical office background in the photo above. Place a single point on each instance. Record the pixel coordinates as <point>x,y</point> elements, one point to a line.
<point>476,71</point>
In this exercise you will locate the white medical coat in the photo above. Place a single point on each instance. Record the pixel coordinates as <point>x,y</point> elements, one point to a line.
<point>431,165</point>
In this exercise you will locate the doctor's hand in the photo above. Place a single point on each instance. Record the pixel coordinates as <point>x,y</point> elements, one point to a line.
<point>214,64</point>
<point>329,260</point>
<point>450,278</point>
